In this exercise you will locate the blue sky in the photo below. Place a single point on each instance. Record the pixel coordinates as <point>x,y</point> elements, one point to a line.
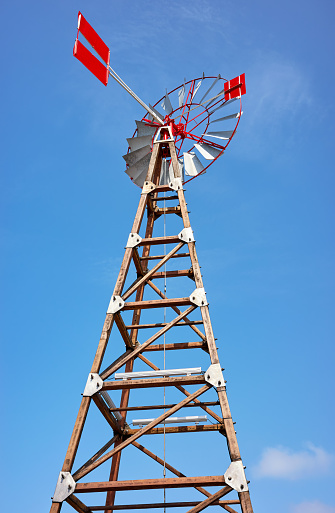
<point>263,217</point>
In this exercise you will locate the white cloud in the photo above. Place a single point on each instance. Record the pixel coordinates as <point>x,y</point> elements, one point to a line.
<point>313,507</point>
<point>281,462</point>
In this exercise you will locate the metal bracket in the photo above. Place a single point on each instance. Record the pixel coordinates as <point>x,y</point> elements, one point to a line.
<point>148,187</point>
<point>186,235</point>
<point>235,477</point>
<point>64,488</point>
<point>94,384</point>
<point>116,303</point>
<point>133,240</point>
<point>157,138</point>
<point>214,376</point>
<point>198,297</point>
<point>176,184</point>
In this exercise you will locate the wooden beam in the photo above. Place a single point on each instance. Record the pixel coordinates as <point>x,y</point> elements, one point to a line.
<point>97,455</point>
<point>78,505</point>
<point>162,324</point>
<point>123,331</point>
<point>151,484</point>
<point>106,413</point>
<point>143,431</point>
<point>126,356</point>
<point>201,428</point>
<point>210,500</point>
<point>157,303</point>
<point>153,382</point>
<point>161,406</point>
<point>155,241</point>
<point>156,505</point>
<point>188,273</point>
<point>176,345</point>
<point>159,257</point>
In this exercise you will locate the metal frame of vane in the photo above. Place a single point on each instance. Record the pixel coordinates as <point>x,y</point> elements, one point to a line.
<point>188,314</point>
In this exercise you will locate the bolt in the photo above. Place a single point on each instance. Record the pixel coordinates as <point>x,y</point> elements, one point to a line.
<point>208,376</point>
<point>242,486</point>
<point>219,383</point>
<point>202,302</point>
<point>120,304</point>
<point>229,478</point>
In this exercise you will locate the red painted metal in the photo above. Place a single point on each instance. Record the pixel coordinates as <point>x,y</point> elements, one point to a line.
<point>93,38</point>
<point>235,87</point>
<point>92,63</point>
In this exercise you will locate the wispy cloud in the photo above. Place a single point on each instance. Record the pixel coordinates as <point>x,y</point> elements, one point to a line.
<point>283,463</point>
<point>313,507</point>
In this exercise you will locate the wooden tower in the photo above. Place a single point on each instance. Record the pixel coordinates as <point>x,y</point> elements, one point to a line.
<point>149,325</point>
<point>101,384</point>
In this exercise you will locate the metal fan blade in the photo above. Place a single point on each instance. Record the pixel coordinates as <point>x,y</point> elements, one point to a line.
<point>224,104</point>
<point>134,156</point>
<point>136,143</point>
<point>223,134</point>
<point>207,151</point>
<point>197,87</point>
<point>145,129</point>
<point>156,112</point>
<point>211,87</point>
<point>140,179</point>
<point>139,167</point>
<point>232,116</point>
<point>192,164</point>
<point>166,104</point>
<point>165,175</point>
<point>181,169</point>
<point>181,94</point>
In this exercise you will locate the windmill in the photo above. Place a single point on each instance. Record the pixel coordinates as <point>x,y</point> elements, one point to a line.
<point>177,139</point>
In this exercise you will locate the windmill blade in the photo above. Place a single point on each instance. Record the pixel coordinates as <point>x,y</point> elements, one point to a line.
<point>232,116</point>
<point>145,129</point>
<point>211,87</point>
<point>134,156</point>
<point>165,175</point>
<point>192,164</point>
<point>139,167</point>
<point>181,94</point>
<point>136,143</point>
<point>207,151</point>
<point>161,117</point>
<point>140,179</point>
<point>166,104</point>
<point>223,134</point>
<point>197,87</point>
<point>224,104</point>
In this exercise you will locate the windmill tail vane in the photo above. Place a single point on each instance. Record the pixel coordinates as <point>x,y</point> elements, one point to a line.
<point>178,138</point>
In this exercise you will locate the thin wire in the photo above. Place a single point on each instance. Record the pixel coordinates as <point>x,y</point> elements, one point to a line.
<point>164,340</point>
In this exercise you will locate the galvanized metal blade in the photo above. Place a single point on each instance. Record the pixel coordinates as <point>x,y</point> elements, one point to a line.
<point>211,87</point>
<point>145,129</point>
<point>166,104</point>
<point>136,143</point>
<point>232,116</point>
<point>139,167</point>
<point>192,164</point>
<point>197,87</point>
<point>224,105</point>
<point>223,134</point>
<point>181,94</point>
<point>140,179</point>
<point>165,174</point>
<point>207,151</point>
<point>161,116</point>
<point>134,156</point>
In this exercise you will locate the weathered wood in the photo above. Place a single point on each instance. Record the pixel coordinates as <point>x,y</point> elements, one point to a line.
<point>163,296</point>
<point>152,271</point>
<point>161,406</point>
<point>155,241</point>
<point>123,331</point>
<point>126,356</point>
<point>166,198</point>
<point>210,500</point>
<point>153,382</point>
<point>151,484</point>
<point>233,448</point>
<point>188,273</point>
<point>159,257</point>
<point>77,504</point>
<point>157,303</point>
<point>161,325</point>
<point>201,428</point>
<point>144,430</point>
<point>156,505</point>
<point>106,413</point>
<point>245,502</point>
<point>175,346</point>
<point>97,455</point>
